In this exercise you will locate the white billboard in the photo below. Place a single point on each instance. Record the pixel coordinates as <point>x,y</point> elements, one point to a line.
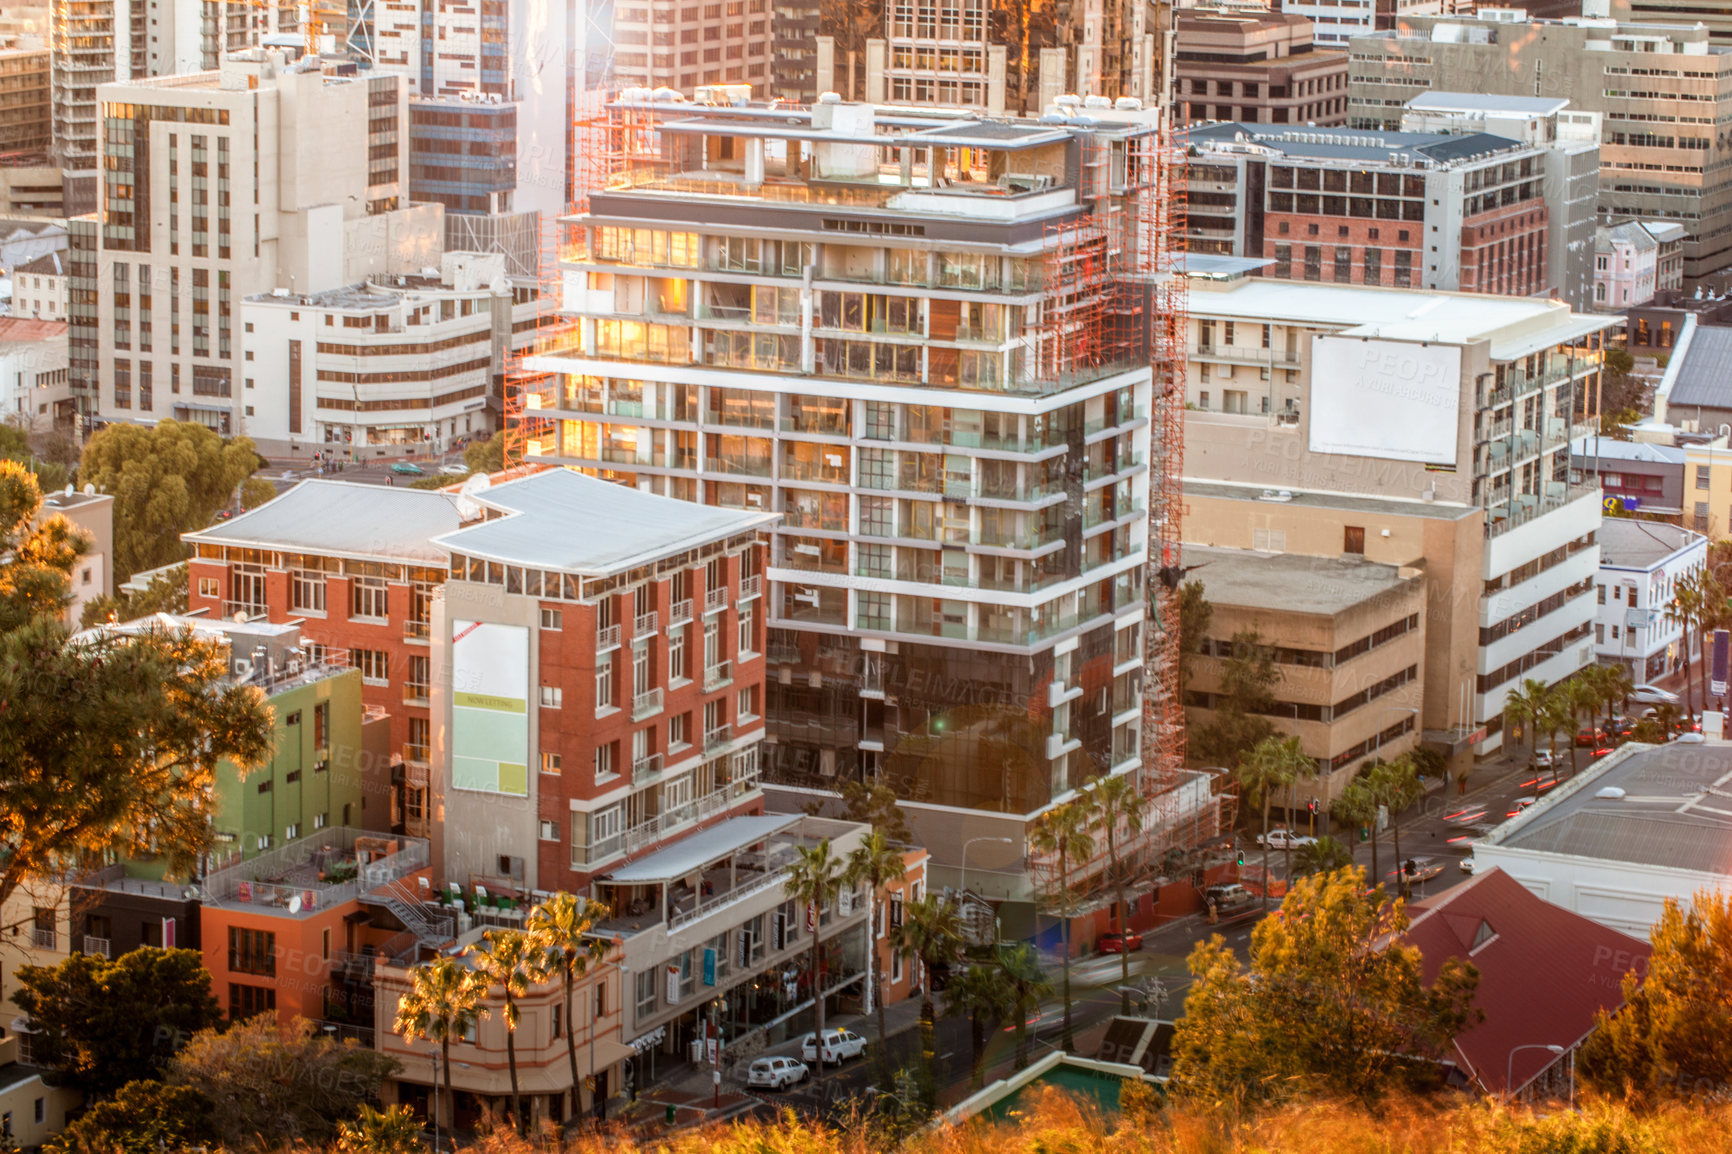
<point>490,708</point>
<point>1388,399</point>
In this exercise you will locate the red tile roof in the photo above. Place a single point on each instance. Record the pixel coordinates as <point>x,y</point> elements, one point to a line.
<point>29,329</point>
<point>1543,972</point>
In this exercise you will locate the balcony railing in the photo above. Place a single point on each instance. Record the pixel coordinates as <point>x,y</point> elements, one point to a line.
<point>646,623</point>
<point>417,630</point>
<point>715,599</point>
<point>678,918</point>
<point>715,738</point>
<point>99,946</point>
<point>44,939</point>
<point>750,587</point>
<point>606,638</point>
<point>416,753</point>
<point>645,768</point>
<point>251,608</point>
<point>680,612</point>
<point>645,704</point>
<point>718,675</point>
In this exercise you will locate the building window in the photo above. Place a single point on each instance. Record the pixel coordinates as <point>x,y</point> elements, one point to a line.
<point>605,766</point>
<point>550,763</point>
<point>604,683</point>
<point>552,697</point>
<point>248,1001</point>
<point>646,991</point>
<point>252,952</point>
<point>374,665</point>
<point>679,731</point>
<point>552,619</point>
<point>307,592</point>
<point>549,831</point>
<point>747,631</point>
<point>677,654</point>
<point>207,587</point>
<point>1703,477</point>
<point>368,598</point>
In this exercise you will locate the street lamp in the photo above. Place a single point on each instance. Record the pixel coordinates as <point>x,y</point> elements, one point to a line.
<point>962,882</point>
<point>1509,1069</point>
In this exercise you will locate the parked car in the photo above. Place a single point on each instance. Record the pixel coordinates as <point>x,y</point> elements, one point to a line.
<point>1229,898</point>
<point>776,1073</point>
<point>406,469</point>
<point>839,1046</point>
<point>1113,942</point>
<point>1542,759</point>
<point>1280,838</point>
<point>455,470</point>
<point>1592,737</point>
<point>1653,695</point>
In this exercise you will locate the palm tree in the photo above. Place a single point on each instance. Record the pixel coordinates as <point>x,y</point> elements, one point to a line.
<point>445,1000</point>
<point>1396,786</point>
<point>560,933</point>
<point>1554,717</point>
<point>1294,764</point>
<point>931,930</point>
<point>390,1131</point>
<point>1616,684</point>
<point>1357,805</point>
<point>508,963</point>
<point>1029,988</point>
<point>814,881</point>
<point>984,996</point>
<point>1524,705</point>
<point>1062,833</point>
<point>1265,769</point>
<point>1323,856</point>
<point>877,863</point>
<point>1112,802</point>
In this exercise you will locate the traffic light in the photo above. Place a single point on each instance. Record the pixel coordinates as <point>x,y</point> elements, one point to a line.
<point>1241,857</point>
<point>1312,806</point>
<point>1410,867</point>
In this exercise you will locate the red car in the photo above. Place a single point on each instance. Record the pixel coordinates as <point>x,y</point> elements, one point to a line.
<point>1114,942</point>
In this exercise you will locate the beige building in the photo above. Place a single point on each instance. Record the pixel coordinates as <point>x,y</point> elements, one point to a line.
<point>1257,67</point>
<point>93,575</point>
<point>32,189</point>
<point>31,1110</point>
<point>39,288</point>
<point>25,108</point>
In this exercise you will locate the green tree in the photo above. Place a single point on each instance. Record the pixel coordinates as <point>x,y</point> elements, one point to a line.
<point>35,559</point>
<point>508,963</point>
<point>562,932</point>
<point>1556,716</point>
<point>1273,764</point>
<point>876,806</point>
<point>1615,685</point>
<point>1029,987</point>
<point>1356,806</point>
<point>1396,785</point>
<point>1195,613</point>
<point>814,880</point>
<point>1062,834</point>
<point>1698,600</point>
<point>445,1001</point>
<point>273,1083</point>
<point>1248,679</point>
<point>144,1117</point>
<point>983,995</point>
<point>1525,705</point>
<point>392,1131</point>
<point>1330,1002</point>
<point>15,446</point>
<point>102,1023</point>
<point>875,863</point>
<point>1325,855</point>
<point>1668,1042</point>
<point>486,456</point>
<point>931,930</point>
<point>1117,810</point>
<point>166,479</point>
<point>166,593</point>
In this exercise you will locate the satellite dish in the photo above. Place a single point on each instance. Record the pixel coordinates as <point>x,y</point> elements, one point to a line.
<point>69,489</point>
<point>295,904</point>
<point>89,489</point>
<point>240,618</point>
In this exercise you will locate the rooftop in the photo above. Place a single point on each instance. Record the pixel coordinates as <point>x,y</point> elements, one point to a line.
<point>18,329</point>
<point>562,520</point>
<point>1290,582</point>
<point>1632,232</point>
<point>48,264</point>
<point>1487,102</point>
<point>1384,506</point>
<point>1611,449</point>
<point>701,849</point>
<point>1704,369</point>
<point>69,498</point>
<point>1674,813</point>
<point>1515,326</point>
<point>344,519</point>
<point>1360,146</point>
<point>1628,543</point>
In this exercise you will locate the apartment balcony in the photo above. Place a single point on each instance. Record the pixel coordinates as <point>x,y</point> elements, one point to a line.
<point>715,600</point>
<point>715,738</point>
<point>750,587</point>
<point>646,704</point>
<point>646,768</point>
<point>418,632</point>
<point>607,638</point>
<point>252,609</point>
<point>646,623</point>
<point>680,613</point>
<point>418,754</point>
<point>414,694</point>
<point>718,675</point>
<point>44,939</point>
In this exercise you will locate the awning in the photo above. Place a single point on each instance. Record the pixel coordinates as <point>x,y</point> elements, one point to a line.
<point>649,1040</point>
<point>193,406</point>
<point>608,1054</point>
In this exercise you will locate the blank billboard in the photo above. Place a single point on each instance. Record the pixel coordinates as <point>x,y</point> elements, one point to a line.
<point>490,708</point>
<point>1388,399</point>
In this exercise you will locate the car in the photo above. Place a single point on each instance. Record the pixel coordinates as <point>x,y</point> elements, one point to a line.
<point>776,1073</point>
<point>1543,759</point>
<point>405,469</point>
<point>1467,865</point>
<point>1423,870</point>
<point>1279,838</point>
<point>1592,737</point>
<point>1653,695</point>
<point>1113,942</point>
<point>1229,897</point>
<point>1466,816</point>
<point>839,1046</point>
<point>1462,841</point>
<point>454,470</point>
<point>1521,806</point>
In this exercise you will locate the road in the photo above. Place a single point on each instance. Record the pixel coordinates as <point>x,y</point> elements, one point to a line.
<point>284,472</point>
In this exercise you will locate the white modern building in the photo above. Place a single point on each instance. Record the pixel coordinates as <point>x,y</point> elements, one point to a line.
<point>1641,563</point>
<point>34,394</point>
<point>1338,21</point>
<point>392,365</point>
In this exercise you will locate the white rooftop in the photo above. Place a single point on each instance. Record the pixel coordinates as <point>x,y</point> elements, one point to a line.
<point>1609,449</point>
<point>706,847</point>
<point>562,520</point>
<point>1487,102</point>
<point>343,519</point>
<point>1515,326</point>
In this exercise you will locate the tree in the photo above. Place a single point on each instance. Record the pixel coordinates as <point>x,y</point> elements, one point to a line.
<point>272,1083</point>
<point>486,456</point>
<point>1291,763</point>
<point>1248,678</point>
<point>814,881</point>
<point>445,1001</point>
<point>1268,767</point>
<point>1396,786</point>
<point>876,805</point>
<point>1669,1040</point>
<point>393,1131</point>
<point>103,1023</point>
<point>166,480</point>
<point>1029,987</point>
<point>144,1117</point>
<point>1524,705</point>
<point>1325,855</point>
<point>1556,716</point>
<point>1331,1002</point>
<point>1117,809</point>
<point>562,932</point>
<point>984,996</point>
<point>1615,685</point>
<point>166,593</point>
<point>1357,805</point>
<point>35,559</point>
<point>508,963</point>
<point>139,723</point>
<point>1195,613</point>
<point>1623,395</point>
<point>875,863</point>
<point>931,930</point>
<point>15,445</point>
<point>1698,600</point>
<point>1062,833</point>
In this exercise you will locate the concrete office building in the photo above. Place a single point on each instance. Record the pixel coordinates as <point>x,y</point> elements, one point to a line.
<point>34,393</point>
<point>184,234</point>
<point>1641,563</point>
<point>659,43</point>
<point>945,58</point>
<point>26,107</point>
<point>1298,440</point>
<point>850,334</point>
<point>1659,89</point>
<point>93,42</point>
<point>1338,21</point>
<point>1255,66</point>
<point>1642,478</point>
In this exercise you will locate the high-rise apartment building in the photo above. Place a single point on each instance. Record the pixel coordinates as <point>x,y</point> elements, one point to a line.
<point>93,42</point>
<point>904,338</point>
<point>661,43</point>
<point>26,107</point>
<point>1659,89</point>
<point>1256,66</point>
<point>269,173</point>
